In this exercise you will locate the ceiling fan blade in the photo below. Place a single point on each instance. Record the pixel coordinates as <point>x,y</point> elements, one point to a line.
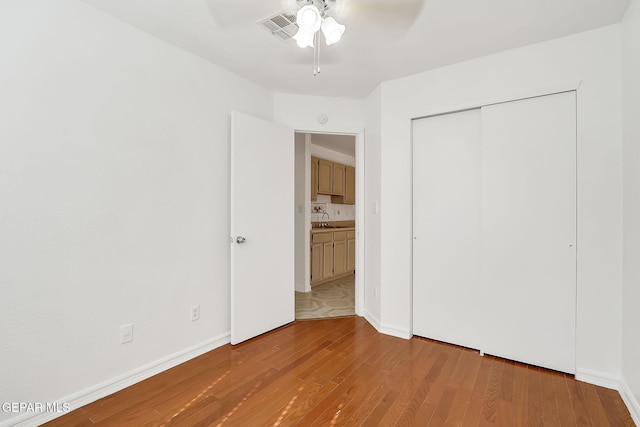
<point>233,13</point>
<point>389,17</point>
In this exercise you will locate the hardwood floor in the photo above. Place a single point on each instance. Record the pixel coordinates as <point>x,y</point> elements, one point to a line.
<point>335,372</point>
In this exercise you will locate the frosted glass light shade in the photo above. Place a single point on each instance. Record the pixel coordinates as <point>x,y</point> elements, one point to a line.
<point>332,30</point>
<point>304,38</point>
<point>308,18</point>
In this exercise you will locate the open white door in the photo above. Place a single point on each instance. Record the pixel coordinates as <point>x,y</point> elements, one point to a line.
<point>262,226</point>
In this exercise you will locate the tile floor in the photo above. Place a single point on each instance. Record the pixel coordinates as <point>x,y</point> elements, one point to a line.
<point>331,299</point>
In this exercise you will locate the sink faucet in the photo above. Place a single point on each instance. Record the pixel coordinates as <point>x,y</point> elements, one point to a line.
<point>322,222</point>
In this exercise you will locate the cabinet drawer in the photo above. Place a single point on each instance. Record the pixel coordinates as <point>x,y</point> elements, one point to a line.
<point>322,238</point>
<point>339,235</point>
<point>351,234</point>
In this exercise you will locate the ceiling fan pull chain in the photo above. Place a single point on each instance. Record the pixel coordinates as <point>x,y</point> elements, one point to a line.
<point>318,66</point>
<point>316,54</point>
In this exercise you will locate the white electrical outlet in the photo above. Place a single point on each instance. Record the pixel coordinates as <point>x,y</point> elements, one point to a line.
<point>126,333</point>
<point>195,312</point>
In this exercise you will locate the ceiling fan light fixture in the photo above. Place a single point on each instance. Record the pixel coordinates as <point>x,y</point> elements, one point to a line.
<point>332,30</point>
<point>310,21</point>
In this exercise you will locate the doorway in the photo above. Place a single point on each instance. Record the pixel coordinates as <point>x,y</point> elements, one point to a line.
<point>327,199</point>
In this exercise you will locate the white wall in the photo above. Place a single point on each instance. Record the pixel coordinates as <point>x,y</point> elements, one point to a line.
<point>373,110</point>
<point>301,112</point>
<point>592,58</point>
<point>631,147</point>
<point>114,189</point>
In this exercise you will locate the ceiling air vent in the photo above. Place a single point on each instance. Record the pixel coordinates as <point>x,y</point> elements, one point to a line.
<point>282,25</point>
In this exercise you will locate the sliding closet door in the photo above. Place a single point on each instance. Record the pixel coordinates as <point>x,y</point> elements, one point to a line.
<point>446,227</point>
<point>529,230</point>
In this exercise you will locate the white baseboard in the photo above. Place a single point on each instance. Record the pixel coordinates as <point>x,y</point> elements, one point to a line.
<point>603,380</point>
<point>113,385</point>
<point>386,329</point>
<point>395,332</point>
<point>598,378</point>
<point>631,402</point>
<point>373,320</point>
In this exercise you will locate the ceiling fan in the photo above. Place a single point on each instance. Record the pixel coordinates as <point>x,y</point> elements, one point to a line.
<point>307,21</point>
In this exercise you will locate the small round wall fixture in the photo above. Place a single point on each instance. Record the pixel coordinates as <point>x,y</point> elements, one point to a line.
<point>323,119</point>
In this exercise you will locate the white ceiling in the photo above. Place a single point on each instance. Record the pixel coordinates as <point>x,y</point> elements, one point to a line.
<point>442,32</point>
<point>345,144</point>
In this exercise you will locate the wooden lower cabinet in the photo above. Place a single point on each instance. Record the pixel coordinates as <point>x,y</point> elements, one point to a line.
<point>327,260</point>
<point>351,250</point>
<point>321,256</point>
<point>339,253</point>
<point>317,256</point>
<point>332,255</point>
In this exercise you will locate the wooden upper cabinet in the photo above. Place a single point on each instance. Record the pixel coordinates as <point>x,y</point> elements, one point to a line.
<point>314,179</point>
<point>350,186</point>
<point>338,179</point>
<point>325,176</point>
<point>334,179</point>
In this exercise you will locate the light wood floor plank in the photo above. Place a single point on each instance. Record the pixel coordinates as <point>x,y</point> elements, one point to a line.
<point>341,372</point>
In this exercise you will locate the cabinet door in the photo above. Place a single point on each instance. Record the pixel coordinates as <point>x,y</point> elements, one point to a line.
<point>325,176</point>
<point>314,179</point>
<point>327,261</point>
<point>339,252</point>
<point>351,252</point>
<point>317,257</point>
<point>350,186</point>
<point>338,179</point>
<point>319,241</point>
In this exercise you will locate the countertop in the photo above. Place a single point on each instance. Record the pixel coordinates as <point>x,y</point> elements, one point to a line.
<point>315,230</point>
<point>348,225</point>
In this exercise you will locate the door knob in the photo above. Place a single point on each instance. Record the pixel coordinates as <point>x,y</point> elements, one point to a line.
<point>240,239</point>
